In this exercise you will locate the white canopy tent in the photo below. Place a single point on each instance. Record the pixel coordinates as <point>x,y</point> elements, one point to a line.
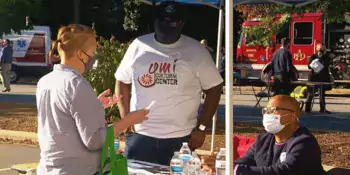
<point>229,41</point>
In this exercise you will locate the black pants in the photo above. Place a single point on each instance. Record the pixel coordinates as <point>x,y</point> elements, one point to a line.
<point>153,150</point>
<point>310,96</point>
<point>282,88</point>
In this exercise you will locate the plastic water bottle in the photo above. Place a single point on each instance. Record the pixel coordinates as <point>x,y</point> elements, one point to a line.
<point>116,145</point>
<point>195,163</point>
<point>221,162</point>
<point>185,155</point>
<point>176,165</point>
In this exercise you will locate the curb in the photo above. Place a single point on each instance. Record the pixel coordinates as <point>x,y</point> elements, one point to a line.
<point>19,136</point>
<point>33,138</point>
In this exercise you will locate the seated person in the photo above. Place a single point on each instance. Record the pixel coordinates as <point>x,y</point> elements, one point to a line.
<point>286,148</point>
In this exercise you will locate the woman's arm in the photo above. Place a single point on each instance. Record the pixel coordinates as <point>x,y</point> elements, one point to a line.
<point>130,119</point>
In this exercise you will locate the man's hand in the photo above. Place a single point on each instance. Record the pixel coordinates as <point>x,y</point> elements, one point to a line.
<point>197,139</point>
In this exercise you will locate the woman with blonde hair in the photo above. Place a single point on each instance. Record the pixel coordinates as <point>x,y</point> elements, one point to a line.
<point>71,119</point>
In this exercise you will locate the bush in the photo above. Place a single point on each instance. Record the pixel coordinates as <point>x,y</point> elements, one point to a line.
<point>109,56</point>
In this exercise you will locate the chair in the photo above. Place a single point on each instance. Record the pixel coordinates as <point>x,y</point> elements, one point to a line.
<point>261,95</point>
<point>265,77</point>
<point>241,145</point>
<point>236,78</point>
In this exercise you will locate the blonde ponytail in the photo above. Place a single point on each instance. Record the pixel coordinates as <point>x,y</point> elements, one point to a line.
<point>53,55</point>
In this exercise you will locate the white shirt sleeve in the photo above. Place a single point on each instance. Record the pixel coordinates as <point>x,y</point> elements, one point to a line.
<point>207,72</point>
<point>124,71</point>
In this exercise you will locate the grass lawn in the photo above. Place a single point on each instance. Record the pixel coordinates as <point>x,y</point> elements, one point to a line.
<point>335,145</point>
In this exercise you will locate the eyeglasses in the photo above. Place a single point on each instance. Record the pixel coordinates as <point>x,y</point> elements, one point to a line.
<point>273,109</point>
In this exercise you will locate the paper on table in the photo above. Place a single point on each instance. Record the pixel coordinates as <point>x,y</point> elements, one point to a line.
<point>146,168</point>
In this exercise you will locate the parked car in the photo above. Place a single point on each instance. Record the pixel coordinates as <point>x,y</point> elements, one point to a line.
<point>14,74</point>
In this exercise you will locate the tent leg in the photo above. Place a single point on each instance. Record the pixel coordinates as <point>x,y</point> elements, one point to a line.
<point>229,34</point>
<point>218,55</point>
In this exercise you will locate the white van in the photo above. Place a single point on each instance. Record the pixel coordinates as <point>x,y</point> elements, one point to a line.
<point>30,52</point>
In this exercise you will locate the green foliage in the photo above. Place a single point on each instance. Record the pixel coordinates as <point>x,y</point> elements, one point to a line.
<point>333,10</point>
<point>109,56</point>
<point>261,35</point>
<point>132,14</point>
<point>13,14</point>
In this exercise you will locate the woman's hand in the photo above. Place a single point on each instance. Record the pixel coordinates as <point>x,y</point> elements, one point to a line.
<point>108,100</point>
<point>137,116</point>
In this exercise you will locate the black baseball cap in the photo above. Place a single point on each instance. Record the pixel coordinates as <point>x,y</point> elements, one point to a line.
<point>171,9</point>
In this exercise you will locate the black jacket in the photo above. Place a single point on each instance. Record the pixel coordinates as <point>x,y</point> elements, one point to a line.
<point>300,155</point>
<point>282,65</point>
<point>323,75</point>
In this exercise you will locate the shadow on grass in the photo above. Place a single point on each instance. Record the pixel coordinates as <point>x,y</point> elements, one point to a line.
<point>18,98</point>
<point>16,109</point>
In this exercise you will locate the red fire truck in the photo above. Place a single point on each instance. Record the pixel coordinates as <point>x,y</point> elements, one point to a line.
<point>306,31</point>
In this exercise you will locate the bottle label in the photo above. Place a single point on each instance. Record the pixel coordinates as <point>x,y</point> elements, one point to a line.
<point>116,145</point>
<point>185,158</point>
<point>176,169</point>
<point>220,164</point>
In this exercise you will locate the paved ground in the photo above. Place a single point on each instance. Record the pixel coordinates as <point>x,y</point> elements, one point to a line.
<point>16,154</point>
<point>244,110</point>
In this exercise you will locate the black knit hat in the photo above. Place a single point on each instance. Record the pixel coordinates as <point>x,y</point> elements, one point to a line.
<point>172,10</point>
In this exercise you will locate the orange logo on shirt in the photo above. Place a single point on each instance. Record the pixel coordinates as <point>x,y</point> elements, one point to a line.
<point>147,80</point>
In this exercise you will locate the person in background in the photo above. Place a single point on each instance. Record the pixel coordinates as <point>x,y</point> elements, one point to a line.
<point>205,44</point>
<point>113,39</point>
<point>286,148</point>
<point>222,66</point>
<point>322,76</point>
<point>282,69</point>
<point>222,63</point>
<point>6,65</point>
<point>71,118</point>
<point>172,70</point>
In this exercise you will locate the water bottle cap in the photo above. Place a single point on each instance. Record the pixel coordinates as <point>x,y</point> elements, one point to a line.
<point>184,143</point>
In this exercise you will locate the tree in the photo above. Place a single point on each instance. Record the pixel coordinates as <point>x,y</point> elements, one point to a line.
<point>333,12</point>
<point>13,14</point>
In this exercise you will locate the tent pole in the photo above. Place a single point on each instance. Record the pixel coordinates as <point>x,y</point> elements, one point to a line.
<point>218,55</point>
<point>229,34</point>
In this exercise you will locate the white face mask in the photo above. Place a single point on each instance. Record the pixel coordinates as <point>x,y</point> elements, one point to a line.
<point>272,123</point>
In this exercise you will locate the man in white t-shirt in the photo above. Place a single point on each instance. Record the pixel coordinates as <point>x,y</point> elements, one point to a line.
<point>172,70</point>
